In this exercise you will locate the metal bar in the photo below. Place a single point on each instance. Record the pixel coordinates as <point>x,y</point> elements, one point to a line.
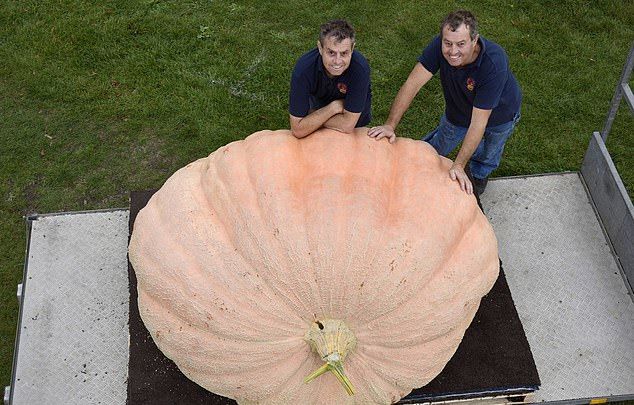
<point>22,291</point>
<point>616,99</point>
<point>526,176</point>
<point>585,401</point>
<point>629,97</point>
<point>34,215</point>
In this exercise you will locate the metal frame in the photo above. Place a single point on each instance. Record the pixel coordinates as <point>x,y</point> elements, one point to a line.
<point>606,189</point>
<point>622,88</point>
<point>8,391</point>
<point>22,288</point>
<point>602,400</point>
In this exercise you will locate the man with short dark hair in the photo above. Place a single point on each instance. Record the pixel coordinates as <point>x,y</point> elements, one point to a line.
<point>482,99</point>
<point>330,85</point>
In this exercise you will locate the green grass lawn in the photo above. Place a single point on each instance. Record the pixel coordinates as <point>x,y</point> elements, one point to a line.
<point>98,100</point>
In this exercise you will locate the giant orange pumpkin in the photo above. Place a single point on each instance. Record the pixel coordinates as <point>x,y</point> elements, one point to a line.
<point>275,260</point>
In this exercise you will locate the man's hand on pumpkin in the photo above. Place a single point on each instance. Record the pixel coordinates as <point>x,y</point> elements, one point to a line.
<point>383,131</point>
<point>457,173</point>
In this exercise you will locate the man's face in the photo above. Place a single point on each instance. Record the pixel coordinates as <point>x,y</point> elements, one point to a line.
<point>457,47</point>
<point>335,55</point>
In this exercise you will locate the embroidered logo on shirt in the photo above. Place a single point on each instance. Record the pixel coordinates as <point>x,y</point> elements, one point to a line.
<point>470,84</point>
<point>342,88</point>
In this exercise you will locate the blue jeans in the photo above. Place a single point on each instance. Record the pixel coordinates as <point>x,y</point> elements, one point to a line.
<point>487,156</point>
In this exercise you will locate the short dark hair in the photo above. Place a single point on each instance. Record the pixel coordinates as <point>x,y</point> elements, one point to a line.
<point>339,29</point>
<point>457,18</point>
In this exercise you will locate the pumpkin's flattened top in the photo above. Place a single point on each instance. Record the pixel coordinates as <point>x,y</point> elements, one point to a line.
<point>240,252</point>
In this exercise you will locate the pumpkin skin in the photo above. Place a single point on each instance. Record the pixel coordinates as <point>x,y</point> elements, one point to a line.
<point>239,253</point>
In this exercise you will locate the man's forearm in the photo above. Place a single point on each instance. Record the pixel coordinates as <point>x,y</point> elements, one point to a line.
<point>417,78</point>
<point>479,120</point>
<point>342,122</point>
<point>401,103</point>
<point>336,122</point>
<point>469,145</point>
<point>313,121</point>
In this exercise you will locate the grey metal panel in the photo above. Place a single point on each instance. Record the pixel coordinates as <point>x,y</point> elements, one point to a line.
<point>611,201</point>
<point>623,243</point>
<point>73,337</point>
<point>569,293</point>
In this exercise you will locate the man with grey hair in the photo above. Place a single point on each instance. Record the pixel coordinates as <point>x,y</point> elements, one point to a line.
<point>482,99</point>
<point>330,85</point>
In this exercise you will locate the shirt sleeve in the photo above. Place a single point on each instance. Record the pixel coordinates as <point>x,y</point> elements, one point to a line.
<point>357,92</point>
<point>489,91</point>
<point>430,58</point>
<point>299,95</point>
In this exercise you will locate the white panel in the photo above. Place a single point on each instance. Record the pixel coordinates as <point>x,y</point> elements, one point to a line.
<point>74,332</point>
<point>569,293</point>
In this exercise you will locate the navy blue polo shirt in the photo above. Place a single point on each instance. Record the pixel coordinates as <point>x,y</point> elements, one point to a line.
<point>486,83</point>
<point>312,88</point>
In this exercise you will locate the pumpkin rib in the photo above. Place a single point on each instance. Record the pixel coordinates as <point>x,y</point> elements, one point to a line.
<point>426,349</point>
<point>383,158</point>
<point>382,278</point>
<point>225,227</point>
<point>296,389</point>
<point>416,328</point>
<point>486,278</point>
<point>391,321</point>
<point>387,213</point>
<point>222,324</point>
<point>282,347</point>
<point>225,375</point>
<point>219,290</point>
<point>391,302</point>
<point>396,294</point>
<point>315,275</point>
<point>318,306</point>
<point>370,163</point>
<point>320,277</point>
<point>295,284</point>
<point>408,331</point>
<point>347,230</point>
<point>261,383</point>
<point>364,374</point>
<point>423,283</point>
<point>414,370</point>
<point>296,150</point>
<point>221,181</point>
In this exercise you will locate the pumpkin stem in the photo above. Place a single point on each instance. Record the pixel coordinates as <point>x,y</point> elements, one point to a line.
<point>332,340</point>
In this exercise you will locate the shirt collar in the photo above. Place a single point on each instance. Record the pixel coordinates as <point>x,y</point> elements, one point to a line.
<point>320,63</point>
<point>478,60</point>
